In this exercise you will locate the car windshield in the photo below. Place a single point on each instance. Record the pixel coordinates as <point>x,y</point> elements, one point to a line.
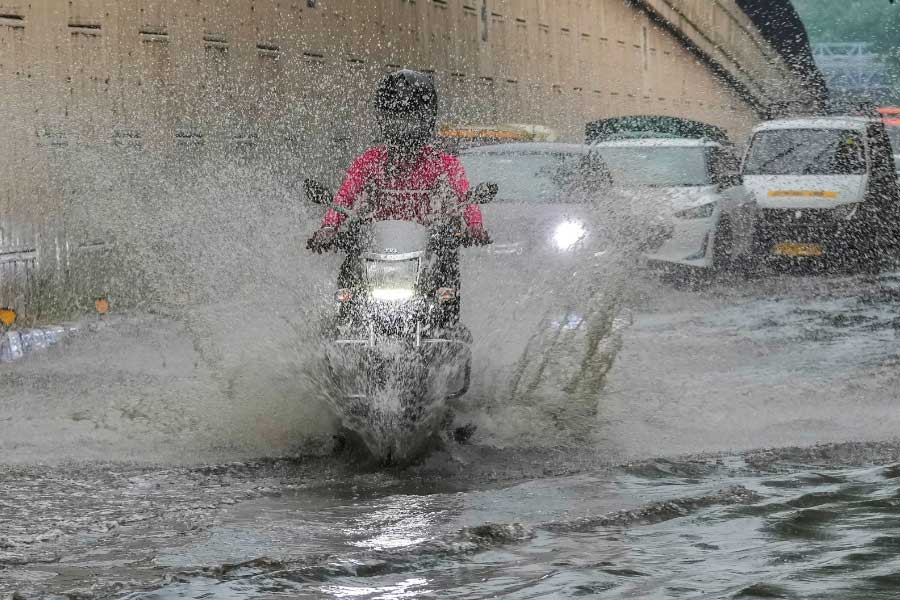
<point>531,176</point>
<point>806,152</point>
<point>656,166</point>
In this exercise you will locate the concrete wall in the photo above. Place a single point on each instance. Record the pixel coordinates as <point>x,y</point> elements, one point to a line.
<point>222,68</point>
<point>290,80</point>
<point>726,40</point>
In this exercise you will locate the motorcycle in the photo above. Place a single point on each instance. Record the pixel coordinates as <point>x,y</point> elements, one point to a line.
<point>395,350</point>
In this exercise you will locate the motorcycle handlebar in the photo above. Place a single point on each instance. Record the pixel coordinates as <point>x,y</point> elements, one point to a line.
<point>347,242</point>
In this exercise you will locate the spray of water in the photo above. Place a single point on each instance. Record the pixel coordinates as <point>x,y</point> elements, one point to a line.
<point>228,297</point>
<point>551,324</point>
<point>227,359</point>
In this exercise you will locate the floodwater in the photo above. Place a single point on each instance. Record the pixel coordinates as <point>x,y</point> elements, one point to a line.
<point>745,447</point>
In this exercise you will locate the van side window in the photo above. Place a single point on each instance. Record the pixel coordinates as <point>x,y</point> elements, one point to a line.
<point>879,149</point>
<point>883,179</point>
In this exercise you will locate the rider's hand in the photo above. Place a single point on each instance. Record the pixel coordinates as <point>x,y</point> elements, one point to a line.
<point>322,240</point>
<point>476,236</point>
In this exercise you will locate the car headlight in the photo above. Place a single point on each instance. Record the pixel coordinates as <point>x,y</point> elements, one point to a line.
<point>845,212</point>
<point>704,211</point>
<point>568,233</point>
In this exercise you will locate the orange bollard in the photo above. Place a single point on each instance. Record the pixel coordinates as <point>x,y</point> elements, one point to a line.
<point>102,305</point>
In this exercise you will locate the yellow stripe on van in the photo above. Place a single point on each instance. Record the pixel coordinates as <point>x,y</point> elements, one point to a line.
<point>802,194</point>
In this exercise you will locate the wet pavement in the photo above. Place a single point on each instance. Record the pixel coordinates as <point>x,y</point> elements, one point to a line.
<point>674,497</point>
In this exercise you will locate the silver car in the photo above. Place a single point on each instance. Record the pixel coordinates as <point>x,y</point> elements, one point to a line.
<point>556,267</point>
<point>544,203</point>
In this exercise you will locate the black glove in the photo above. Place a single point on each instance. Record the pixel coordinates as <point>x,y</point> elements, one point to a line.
<point>322,240</point>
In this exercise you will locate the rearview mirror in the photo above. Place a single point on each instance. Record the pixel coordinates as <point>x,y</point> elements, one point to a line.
<point>484,193</point>
<point>316,192</point>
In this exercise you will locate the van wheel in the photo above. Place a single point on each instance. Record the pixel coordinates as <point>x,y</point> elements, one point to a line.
<point>723,247</point>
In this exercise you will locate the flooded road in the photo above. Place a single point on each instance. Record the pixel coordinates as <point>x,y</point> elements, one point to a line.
<point>674,498</point>
<point>775,361</point>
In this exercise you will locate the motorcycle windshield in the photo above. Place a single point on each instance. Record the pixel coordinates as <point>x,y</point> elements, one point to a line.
<point>394,241</point>
<point>393,251</point>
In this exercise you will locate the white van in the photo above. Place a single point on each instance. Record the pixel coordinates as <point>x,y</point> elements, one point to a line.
<point>825,188</point>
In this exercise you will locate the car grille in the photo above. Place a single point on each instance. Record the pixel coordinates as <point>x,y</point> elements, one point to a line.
<point>796,218</point>
<point>776,225</point>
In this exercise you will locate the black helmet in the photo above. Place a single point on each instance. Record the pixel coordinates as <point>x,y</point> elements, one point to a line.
<point>406,106</point>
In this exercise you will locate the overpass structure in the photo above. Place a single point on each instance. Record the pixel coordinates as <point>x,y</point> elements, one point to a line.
<point>853,72</point>
<point>288,82</point>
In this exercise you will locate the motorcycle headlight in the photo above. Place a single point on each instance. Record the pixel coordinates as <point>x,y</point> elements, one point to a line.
<point>568,233</point>
<point>704,211</point>
<point>392,281</point>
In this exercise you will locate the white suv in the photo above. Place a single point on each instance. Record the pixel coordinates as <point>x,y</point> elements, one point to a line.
<point>697,184</point>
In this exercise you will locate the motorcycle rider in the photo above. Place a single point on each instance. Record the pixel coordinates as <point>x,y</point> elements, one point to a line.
<point>406,169</point>
<point>406,179</point>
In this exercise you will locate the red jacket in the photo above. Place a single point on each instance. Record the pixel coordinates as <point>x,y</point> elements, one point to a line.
<point>420,176</point>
